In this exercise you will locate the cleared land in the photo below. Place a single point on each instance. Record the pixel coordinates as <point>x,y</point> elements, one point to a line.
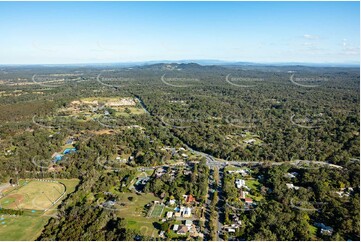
<point>135,215</point>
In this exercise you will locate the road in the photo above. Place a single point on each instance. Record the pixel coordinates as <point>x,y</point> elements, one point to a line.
<point>220,203</point>
<point>213,161</point>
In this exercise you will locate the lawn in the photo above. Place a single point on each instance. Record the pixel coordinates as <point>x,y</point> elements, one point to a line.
<point>254,185</point>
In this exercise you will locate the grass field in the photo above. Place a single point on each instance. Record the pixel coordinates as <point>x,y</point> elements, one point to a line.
<point>21,227</point>
<point>157,211</point>
<point>29,225</point>
<point>120,111</point>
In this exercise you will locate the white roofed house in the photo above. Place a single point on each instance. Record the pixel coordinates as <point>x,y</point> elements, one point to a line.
<point>289,175</point>
<point>291,186</point>
<point>171,201</point>
<point>240,183</point>
<point>169,214</point>
<point>187,212</point>
<point>189,224</point>
<point>175,227</point>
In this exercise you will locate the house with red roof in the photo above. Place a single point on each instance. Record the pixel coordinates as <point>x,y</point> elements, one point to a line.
<point>248,200</point>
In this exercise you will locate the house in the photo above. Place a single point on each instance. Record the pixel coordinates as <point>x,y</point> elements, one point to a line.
<point>230,230</point>
<point>240,183</point>
<point>291,186</point>
<point>294,173</point>
<point>248,200</point>
<point>175,227</point>
<point>289,175</point>
<point>183,230</point>
<point>241,171</point>
<point>325,230</point>
<point>169,214</point>
<point>328,231</point>
<point>171,201</point>
<point>187,212</point>
<point>250,141</point>
<point>189,224</point>
<point>118,158</point>
<point>345,192</point>
<point>189,198</point>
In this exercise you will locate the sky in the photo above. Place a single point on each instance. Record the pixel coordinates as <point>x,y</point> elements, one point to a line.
<point>106,32</point>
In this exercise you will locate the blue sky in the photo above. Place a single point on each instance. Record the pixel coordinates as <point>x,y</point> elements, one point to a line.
<point>94,32</point>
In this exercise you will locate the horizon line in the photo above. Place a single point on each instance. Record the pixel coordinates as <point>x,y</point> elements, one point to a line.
<point>187,61</point>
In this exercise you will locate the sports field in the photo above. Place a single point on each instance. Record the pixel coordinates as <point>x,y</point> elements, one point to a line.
<point>30,225</point>
<point>157,210</point>
<point>38,195</point>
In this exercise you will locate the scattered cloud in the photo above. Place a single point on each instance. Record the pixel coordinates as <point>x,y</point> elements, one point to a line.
<point>344,42</point>
<point>349,49</point>
<point>309,36</point>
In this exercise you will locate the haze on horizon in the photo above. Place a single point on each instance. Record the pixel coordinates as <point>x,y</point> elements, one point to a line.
<point>105,32</point>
